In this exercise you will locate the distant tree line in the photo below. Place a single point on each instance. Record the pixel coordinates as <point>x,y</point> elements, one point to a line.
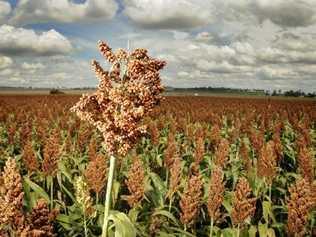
<point>292,93</point>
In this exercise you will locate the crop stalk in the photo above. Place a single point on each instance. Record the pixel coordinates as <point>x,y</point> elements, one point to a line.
<point>108,197</point>
<point>270,192</point>
<point>238,230</point>
<point>212,225</point>
<point>85,224</point>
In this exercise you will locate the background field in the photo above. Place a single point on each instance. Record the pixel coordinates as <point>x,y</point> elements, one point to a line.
<point>261,148</point>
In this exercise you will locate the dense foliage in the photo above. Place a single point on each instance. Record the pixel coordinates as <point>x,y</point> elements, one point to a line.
<point>208,166</point>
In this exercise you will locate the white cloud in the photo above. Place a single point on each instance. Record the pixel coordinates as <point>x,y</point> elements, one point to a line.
<point>58,71</point>
<point>222,67</point>
<point>32,67</point>
<point>288,13</point>
<point>5,9</point>
<point>6,72</point>
<point>169,14</point>
<point>32,11</point>
<point>20,41</point>
<point>276,73</point>
<point>285,13</point>
<point>275,56</point>
<point>5,62</point>
<point>204,37</point>
<point>295,42</point>
<point>177,14</point>
<point>192,61</point>
<point>183,74</point>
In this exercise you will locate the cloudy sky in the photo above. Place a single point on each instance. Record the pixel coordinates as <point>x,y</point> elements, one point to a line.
<point>265,44</point>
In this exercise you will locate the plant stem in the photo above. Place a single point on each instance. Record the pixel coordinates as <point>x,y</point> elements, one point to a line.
<point>85,224</point>
<point>51,191</point>
<point>167,176</point>
<point>108,197</point>
<point>212,224</point>
<point>170,203</point>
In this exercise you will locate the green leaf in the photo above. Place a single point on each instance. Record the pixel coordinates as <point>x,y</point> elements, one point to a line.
<point>122,224</point>
<point>263,230</point>
<point>164,234</point>
<point>63,188</point>
<point>65,221</point>
<point>133,214</point>
<point>268,211</point>
<point>271,232</point>
<point>266,206</point>
<point>252,231</point>
<point>168,215</point>
<point>227,201</point>
<point>158,183</point>
<point>62,168</point>
<point>228,232</point>
<point>27,195</point>
<point>37,189</point>
<point>115,191</point>
<point>181,231</point>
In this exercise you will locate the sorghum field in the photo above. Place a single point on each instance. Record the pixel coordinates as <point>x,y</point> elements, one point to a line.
<point>207,167</point>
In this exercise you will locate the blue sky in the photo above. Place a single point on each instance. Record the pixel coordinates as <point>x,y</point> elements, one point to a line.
<point>233,43</point>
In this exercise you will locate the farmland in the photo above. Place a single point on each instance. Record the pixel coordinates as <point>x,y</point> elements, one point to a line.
<point>207,166</point>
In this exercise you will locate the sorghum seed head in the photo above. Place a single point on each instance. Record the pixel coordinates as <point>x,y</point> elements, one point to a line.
<point>243,205</point>
<point>190,202</point>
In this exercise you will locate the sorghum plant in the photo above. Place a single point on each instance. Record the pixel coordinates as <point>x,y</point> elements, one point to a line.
<point>243,204</point>
<point>29,157</point>
<point>40,221</point>
<point>190,202</point>
<point>299,205</point>
<point>171,150</point>
<point>244,152</point>
<point>215,196</point>
<point>267,164</point>
<point>51,153</point>
<point>96,173</point>
<point>175,176</point>
<point>305,163</point>
<point>125,94</point>
<point>135,183</point>
<point>222,153</point>
<point>84,200</point>
<point>11,198</point>
<point>159,212</point>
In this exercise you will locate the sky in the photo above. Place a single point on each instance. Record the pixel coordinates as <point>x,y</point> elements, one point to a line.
<point>255,44</point>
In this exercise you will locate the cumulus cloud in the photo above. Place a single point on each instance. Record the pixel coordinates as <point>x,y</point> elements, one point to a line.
<point>5,62</point>
<point>288,13</point>
<point>204,36</point>
<point>32,11</point>
<point>6,72</point>
<point>289,47</point>
<point>32,67</point>
<point>276,73</point>
<point>66,71</point>
<point>196,60</point>
<point>245,43</point>
<point>5,9</point>
<point>177,14</point>
<point>295,42</point>
<point>222,67</point>
<point>169,14</point>
<point>285,13</point>
<point>20,41</point>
